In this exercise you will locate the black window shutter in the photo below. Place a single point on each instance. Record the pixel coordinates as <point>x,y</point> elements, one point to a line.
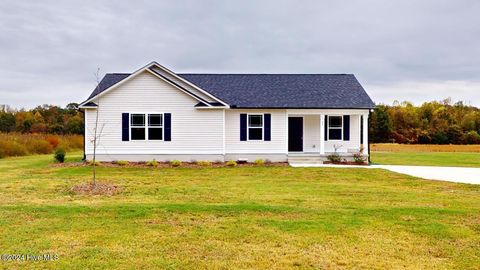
<point>243,127</point>
<point>125,127</point>
<point>346,127</point>
<point>326,127</point>
<point>267,127</point>
<point>167,126</point>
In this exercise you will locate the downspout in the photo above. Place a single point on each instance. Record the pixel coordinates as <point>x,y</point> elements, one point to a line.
<point>84,138</point>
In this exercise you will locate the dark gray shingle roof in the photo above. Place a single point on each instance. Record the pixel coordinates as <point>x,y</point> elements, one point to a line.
<point>108,80</point>
<point>284,90</point>
<point>274,90</point>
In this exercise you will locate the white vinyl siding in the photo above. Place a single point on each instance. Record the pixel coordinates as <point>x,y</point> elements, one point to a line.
<point>354,142</point>
<point>192,130</point>
<point>277,145</point>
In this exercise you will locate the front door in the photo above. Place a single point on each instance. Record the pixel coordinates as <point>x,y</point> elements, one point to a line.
<point>295,134</point>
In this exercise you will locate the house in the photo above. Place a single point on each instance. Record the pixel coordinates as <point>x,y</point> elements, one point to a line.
<point>155,113</point>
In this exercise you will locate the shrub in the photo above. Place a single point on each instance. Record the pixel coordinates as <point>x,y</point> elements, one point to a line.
<point>231,163</point>
<point>12,149</point>
<point>121,162</point>
<point>152,163</point>
<point>40,147</point>
<point>59,155</point>
<point>17,144</point>
<point>259,162</point>
<point>90,162</point>
<point>471,137</point>
<point>52,140</point>
<point>204,163</point>
<point>359,158</point>
<point>74,141</point>
<point>176,163</point>
<point>334,158</point>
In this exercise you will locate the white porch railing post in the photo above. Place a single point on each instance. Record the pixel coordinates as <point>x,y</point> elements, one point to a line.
<point>365,133</point>
<point>322,134</point>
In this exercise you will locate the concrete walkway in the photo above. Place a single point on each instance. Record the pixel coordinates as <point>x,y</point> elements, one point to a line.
<point>451,174</point>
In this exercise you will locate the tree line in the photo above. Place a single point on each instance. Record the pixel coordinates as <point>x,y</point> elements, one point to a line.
<point>42,119</point>
<point>437,122</point>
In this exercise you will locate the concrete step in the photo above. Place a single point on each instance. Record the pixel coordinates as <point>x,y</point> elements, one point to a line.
<point>309,163</point>
<point>306,159</point>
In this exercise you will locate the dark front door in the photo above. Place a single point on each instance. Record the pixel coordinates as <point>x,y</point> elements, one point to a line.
<point>295,134</point>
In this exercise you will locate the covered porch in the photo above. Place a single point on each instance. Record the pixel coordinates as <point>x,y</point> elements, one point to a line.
<point>317,134</point>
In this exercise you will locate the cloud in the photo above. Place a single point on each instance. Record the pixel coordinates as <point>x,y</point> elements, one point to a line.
<point>419,92</point>
<point>50,49</point>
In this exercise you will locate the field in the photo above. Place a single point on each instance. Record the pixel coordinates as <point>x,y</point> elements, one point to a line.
<point>395,147</point>
<point>19,144</point>
<point>244,218</point>
<point>426,155</point>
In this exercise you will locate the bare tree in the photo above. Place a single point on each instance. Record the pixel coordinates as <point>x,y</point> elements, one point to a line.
<point>96,134</point>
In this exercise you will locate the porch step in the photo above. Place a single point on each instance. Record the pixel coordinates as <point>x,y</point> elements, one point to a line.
<point>306,159</point>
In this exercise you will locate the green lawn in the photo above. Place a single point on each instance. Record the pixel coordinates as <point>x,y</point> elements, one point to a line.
<point>219,218</point>
<point>457,159</point>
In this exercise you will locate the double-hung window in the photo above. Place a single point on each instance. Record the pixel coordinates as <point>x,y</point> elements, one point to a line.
<point>146,127</point>
<point>155,126</point>
<point>335,128</point>
<point>137,124</point>
<point>255,127</point>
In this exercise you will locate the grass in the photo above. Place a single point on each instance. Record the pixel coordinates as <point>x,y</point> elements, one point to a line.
<point>427,159</point>
<point>426,155</point>
<point>244,218</point>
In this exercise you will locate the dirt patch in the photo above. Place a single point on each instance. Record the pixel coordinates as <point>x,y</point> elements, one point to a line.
<point>68,164</point>
<point>96,189</point>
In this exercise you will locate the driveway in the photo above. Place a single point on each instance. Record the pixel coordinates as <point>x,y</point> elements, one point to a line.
<point>451,174</point>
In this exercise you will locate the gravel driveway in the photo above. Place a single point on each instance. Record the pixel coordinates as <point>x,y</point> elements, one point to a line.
<point>451,174</point>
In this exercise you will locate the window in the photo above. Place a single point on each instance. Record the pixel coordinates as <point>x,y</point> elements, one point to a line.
<point>335,126</point>
<point>255,127</point>
<point>155,127</point>
<point>151,129</point>
<point>137,123</point>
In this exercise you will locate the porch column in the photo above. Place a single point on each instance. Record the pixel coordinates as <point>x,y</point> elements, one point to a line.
<point>365,134</point>
<point>360,134</point>
<point>322,134</point>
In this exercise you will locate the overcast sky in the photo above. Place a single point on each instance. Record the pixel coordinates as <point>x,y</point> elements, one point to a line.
<point>399,50</point>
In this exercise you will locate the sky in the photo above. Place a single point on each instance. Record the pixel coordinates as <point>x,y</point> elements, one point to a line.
<point>399,50</point>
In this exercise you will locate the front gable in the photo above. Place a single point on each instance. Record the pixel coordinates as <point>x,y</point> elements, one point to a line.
<point>143,91</point>
<point>148,95</point>
<point>111,82</point>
